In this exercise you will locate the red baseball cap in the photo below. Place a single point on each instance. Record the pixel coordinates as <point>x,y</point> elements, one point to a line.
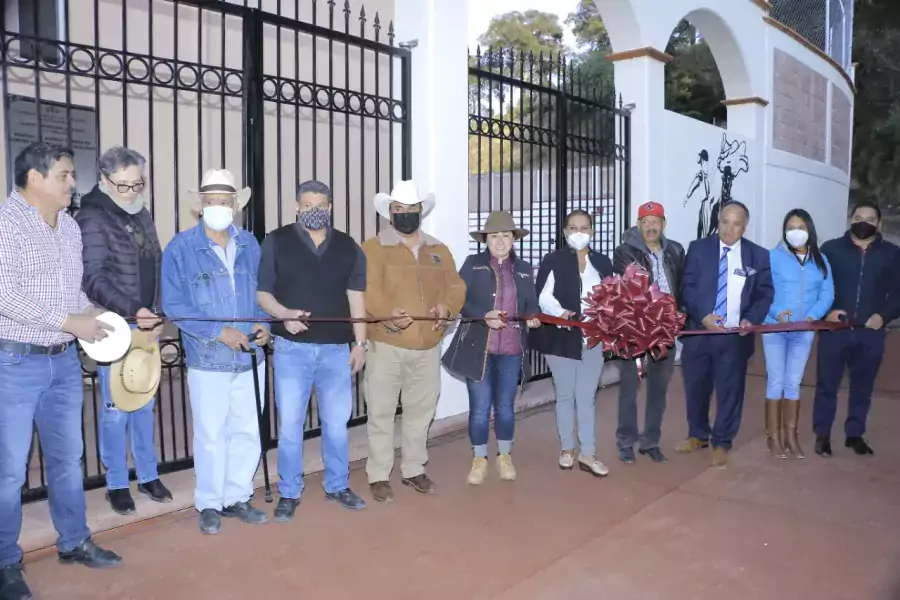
<point>651,209</point>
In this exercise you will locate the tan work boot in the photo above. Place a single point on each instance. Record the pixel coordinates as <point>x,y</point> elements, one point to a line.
<point>506,468</point>
<point>774,432</point>
<point>720,458</point>
<point>791,418</point>
<point>381,491</point>
<point>478,471</point>
<point>691,444</point>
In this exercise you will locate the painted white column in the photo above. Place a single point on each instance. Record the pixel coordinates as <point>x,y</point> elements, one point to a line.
<point>440,147</point>
<point>641,81</point>
<point>749,120</point>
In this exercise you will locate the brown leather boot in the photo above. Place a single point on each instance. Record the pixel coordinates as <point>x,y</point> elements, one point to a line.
<point>773,428</point>
<point>791,412</point>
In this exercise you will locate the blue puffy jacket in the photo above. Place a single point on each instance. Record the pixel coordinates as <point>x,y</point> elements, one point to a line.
<point>800,288</point>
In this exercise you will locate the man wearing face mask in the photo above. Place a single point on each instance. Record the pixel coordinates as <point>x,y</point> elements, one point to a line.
<point>408,274</point>
<point>866,272</point>
<point>210,272</point>
<point>122,259</point>
<point>645,245</point>
<point>310,269</point>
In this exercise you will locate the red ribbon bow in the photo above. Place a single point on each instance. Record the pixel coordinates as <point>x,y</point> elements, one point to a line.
<point>630,316</point>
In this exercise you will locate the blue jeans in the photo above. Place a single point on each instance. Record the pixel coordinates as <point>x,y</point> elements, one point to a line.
<point>786,356</point>
<point>114,427</point>
<point>298,369</point>
<point>497,390</point>
<point>47,391</point>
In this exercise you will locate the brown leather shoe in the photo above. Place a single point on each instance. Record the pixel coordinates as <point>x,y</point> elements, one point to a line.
<point>720,458</point>
<point>421,483</point>
<point>774,432</point>
<point>691,444</point>
<point>791,416</point>
<point>381,491</point>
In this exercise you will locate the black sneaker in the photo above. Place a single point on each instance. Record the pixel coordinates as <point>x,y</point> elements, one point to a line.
<point>156,491</point>
<point>210,521</point>
<point>120,501</point>
<point>626,455</point>
<point>12,584</point>
<point>655,454</point>
<point>245,512</point>
<point>859,446</point>
<point>347,498</point>
<point>90,555</point>
<point>823,446</point>
<point>286,508</point>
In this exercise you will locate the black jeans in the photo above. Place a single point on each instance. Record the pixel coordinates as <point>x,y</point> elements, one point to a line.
<point>860,351</point>
<point>657,376</point>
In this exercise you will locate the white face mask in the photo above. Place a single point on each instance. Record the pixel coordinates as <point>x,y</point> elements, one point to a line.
<point>578,241</point>
<point>796,237</point>
<point>218,218</point>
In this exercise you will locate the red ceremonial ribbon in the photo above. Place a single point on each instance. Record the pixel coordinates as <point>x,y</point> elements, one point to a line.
<point>626,314</point>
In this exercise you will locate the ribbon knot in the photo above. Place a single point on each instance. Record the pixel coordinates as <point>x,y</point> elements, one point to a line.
<point>630,316</point>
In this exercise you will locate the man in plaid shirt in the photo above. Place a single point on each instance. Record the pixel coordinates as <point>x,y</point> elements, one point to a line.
<point>42,311</point>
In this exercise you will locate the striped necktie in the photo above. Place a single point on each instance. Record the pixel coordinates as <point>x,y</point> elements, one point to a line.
<point>722,292</point>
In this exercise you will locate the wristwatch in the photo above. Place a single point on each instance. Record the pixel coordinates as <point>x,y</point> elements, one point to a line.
<point>365,345</point>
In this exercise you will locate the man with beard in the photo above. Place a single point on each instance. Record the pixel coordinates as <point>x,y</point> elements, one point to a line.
<point>866,271</point>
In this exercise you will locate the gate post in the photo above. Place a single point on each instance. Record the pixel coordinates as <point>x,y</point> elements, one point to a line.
<point>562,165</point>
<point>253,124</point>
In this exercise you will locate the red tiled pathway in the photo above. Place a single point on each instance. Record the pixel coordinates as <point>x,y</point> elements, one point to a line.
<point>815,529</point>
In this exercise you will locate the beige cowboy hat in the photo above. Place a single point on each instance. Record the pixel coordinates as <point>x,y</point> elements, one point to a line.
<point>498,222</point>
<point>221,181</point>
<point>135,378</point>
<point>403,193</point>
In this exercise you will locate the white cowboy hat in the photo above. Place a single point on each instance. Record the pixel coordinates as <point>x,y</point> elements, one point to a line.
<point>221,181</point>
<point>403,193</point>
<point>114,345</point>
<point>134,379</point>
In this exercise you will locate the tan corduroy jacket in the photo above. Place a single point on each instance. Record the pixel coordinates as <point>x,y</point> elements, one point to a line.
<point>395,278</point>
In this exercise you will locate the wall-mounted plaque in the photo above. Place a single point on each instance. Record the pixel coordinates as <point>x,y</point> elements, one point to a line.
<point>72,125</point>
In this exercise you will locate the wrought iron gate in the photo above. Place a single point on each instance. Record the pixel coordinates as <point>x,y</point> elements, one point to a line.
<point>543,141</point>
<point>277,91</point>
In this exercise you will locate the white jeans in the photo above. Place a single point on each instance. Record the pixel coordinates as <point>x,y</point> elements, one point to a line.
<point>226,436</point>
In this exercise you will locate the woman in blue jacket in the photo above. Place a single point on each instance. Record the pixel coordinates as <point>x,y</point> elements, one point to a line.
<point>804,291</point>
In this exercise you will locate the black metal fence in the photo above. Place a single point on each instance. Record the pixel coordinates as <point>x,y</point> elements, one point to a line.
<point>277,91</point>
<point>546,138</point>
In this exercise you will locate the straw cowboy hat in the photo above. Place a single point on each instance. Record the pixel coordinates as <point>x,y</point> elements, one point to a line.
<point>498,222</point>
<point>135,378</point>
<point>403,193</point>
<point>221,181</point>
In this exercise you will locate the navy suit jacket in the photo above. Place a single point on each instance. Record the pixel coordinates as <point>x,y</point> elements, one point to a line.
<point>701,281</point>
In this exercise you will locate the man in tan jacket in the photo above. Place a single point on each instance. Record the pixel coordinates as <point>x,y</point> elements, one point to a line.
<point>409,274</point>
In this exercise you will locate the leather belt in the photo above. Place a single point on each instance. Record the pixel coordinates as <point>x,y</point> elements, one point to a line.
<point>23,348</point>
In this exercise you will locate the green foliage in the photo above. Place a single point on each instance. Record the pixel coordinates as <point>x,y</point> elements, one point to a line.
<point>693,84</point>
<point>530,31</point>
<point>876,135</point>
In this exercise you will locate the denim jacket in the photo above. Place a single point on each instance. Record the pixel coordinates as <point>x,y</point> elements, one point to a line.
<point>801,288</point>
<point>195,283</point>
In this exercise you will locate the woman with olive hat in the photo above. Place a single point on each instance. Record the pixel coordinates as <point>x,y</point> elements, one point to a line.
<point>490,354</point>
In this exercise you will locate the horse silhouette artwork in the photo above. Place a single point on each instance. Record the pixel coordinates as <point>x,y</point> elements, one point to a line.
<point>731,162</point>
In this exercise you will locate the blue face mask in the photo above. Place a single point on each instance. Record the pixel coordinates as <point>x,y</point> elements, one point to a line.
<point>314,219</point>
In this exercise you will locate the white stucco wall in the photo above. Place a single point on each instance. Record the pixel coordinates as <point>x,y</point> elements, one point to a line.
<point>665,146</point>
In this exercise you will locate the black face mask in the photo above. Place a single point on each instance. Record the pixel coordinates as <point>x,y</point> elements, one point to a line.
<point>406,223</point>
<point>863,230</point>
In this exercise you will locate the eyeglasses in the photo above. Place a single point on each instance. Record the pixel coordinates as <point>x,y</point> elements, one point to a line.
<point>124,188</point>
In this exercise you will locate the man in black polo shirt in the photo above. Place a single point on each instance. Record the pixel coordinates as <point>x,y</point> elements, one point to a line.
<point>311,269</point>
<point>866,271</point>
